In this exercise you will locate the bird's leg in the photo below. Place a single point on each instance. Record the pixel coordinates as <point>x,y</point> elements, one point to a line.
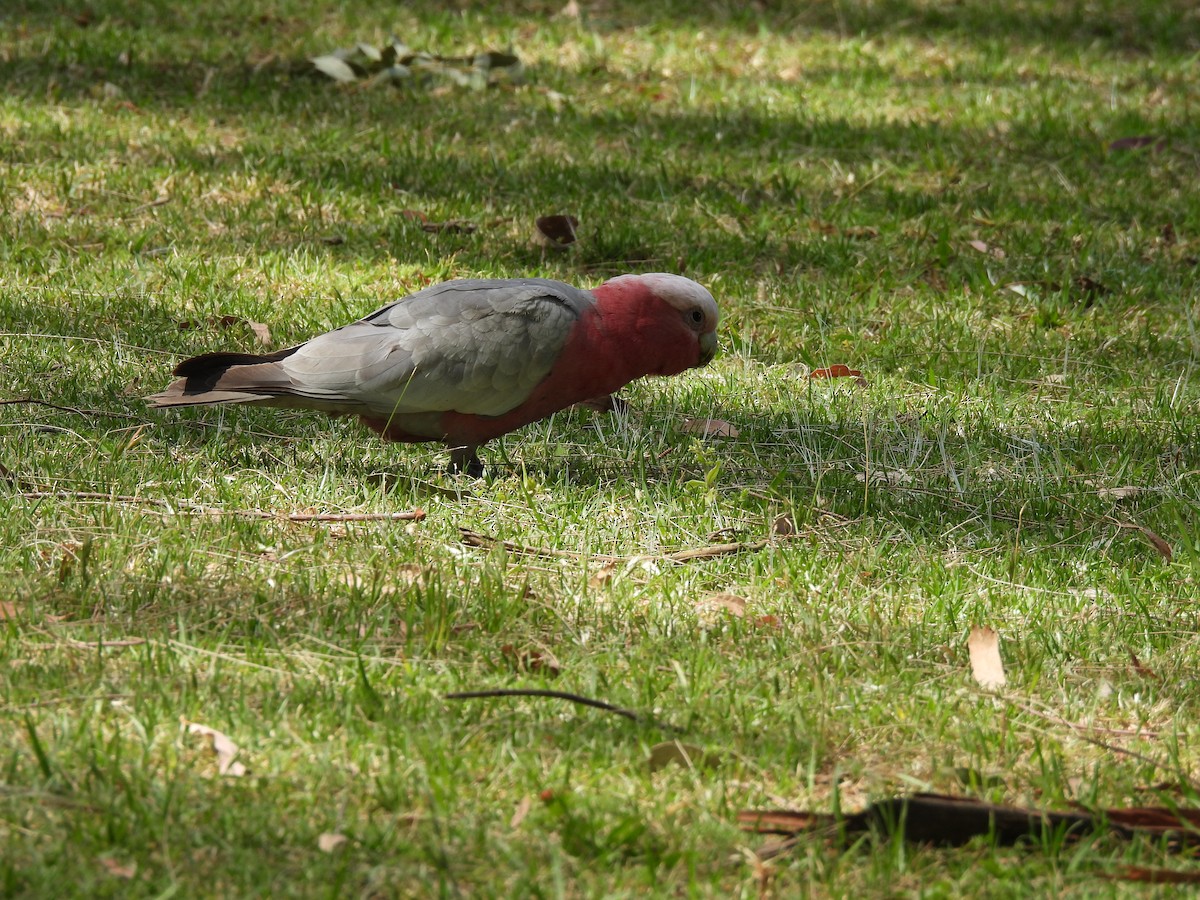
<point>466,460</point>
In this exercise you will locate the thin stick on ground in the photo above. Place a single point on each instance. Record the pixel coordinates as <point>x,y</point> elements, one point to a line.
<point>630,714</point>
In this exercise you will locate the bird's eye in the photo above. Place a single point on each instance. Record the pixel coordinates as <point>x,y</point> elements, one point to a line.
<point>697,316</point>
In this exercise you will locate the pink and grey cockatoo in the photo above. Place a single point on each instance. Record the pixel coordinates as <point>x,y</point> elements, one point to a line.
<point>466,361</point>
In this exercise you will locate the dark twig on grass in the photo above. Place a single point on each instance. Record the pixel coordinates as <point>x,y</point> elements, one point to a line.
<point>483,541</point>
<point>629,714</point>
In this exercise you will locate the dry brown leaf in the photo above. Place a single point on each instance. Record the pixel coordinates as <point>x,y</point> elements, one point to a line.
<point>835,371</point>
<point>261,332</point>
<point>225,749</point>
<point>730,603</point>
<point>521,812</point>
<point>116,869</point>
<point>570,11</point>
<point>709,428</point>
<point>783,526</point>
<point>329,841</point>
<point>1163,548</point>
<point>8,610</point>
<point>839,371</point>
<point>556,232</point>
<point>984,648</point>
<point>603,575</point>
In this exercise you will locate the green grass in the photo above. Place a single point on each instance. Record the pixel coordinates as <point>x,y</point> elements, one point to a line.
<point>823,169</point>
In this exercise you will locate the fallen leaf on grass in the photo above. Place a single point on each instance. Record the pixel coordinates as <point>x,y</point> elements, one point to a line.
<point>8,610</point>
<point>556,232</point>
<point>839,371</point>
<point>329,841</point>
<point>603,575</point>
<point>522,810</point>
<point>983,645</point>
<point>1163,548</point>
<point>783,526</point>
<point>335,67</point>
<point>260,331</point>
<point>116,869</point>
<point>225,749</point>
<point>709,428</point>
<point>689,756</point>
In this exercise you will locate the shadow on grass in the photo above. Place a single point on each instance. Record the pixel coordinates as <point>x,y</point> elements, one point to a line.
<point>1145,27</point>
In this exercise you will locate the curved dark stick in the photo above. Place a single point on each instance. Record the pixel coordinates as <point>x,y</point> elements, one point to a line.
<point>563,695</point>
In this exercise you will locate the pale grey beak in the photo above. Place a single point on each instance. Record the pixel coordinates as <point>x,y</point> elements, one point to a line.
<point>708,347</point>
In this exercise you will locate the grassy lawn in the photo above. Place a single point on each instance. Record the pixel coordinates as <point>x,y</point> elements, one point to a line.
<point>924,190</point>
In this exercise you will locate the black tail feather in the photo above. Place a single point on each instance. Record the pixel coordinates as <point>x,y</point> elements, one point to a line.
<point>202,372</point>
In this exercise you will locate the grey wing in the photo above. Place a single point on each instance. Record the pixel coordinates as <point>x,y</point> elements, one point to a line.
<point>473,346</point>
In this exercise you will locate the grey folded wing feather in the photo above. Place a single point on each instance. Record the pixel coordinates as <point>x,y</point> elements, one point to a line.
<point>472,346</point>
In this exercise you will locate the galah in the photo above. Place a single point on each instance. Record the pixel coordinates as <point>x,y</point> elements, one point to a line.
<point>469,360</point>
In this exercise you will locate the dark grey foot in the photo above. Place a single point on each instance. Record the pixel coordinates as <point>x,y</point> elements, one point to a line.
<point>464,460</point>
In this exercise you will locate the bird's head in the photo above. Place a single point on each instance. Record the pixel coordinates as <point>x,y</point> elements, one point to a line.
<point>675,318</point>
